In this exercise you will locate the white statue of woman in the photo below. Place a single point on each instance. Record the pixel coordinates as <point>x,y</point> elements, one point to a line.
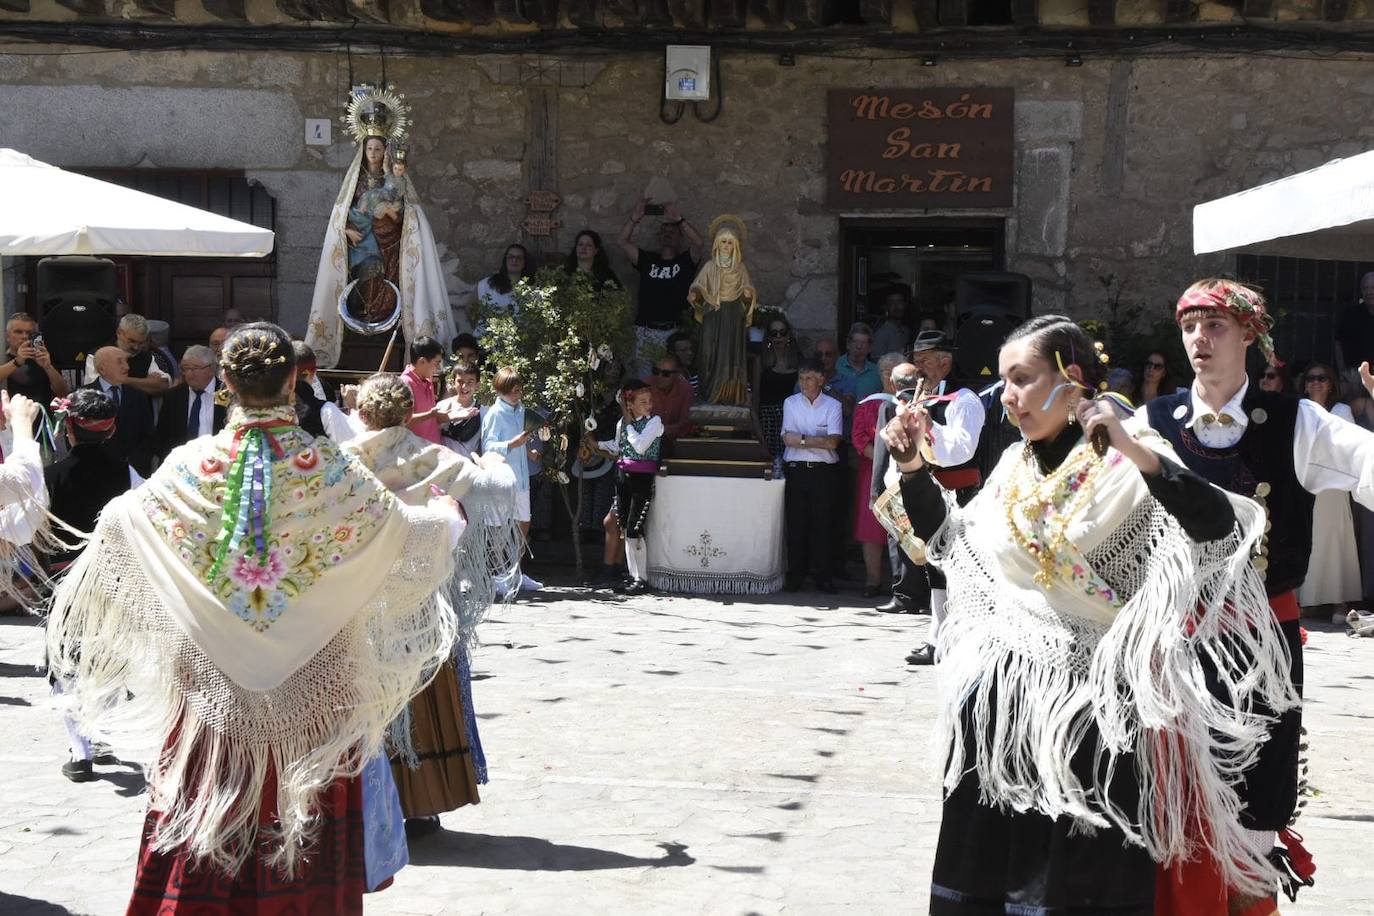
<point>377,239</point>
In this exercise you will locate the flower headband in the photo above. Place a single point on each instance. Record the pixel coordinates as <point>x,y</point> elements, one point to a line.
<point>1242,303</point>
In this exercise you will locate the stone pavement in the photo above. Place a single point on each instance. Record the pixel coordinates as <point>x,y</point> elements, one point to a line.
<point>665,755</point>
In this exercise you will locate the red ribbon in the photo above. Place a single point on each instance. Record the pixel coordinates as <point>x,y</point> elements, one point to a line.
<point>266,426</point>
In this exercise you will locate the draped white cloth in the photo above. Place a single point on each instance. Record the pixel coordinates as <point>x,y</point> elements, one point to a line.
<point>716,535</point>
<point>425,309</point>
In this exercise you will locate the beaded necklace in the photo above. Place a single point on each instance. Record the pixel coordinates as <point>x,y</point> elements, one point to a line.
<point>1049,505</point>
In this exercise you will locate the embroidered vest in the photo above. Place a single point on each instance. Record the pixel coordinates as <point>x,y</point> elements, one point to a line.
<point>627,451</point>
<point>1264,455</point>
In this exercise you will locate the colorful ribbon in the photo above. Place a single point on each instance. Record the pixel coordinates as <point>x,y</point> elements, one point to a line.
<point>248,492</point>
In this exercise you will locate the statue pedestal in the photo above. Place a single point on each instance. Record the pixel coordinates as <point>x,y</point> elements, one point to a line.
<point>725,442</point>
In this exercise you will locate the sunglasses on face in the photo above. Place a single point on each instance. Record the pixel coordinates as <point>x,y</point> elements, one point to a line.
<point>777,332</point>
<point>1318,378</point>
<point>1269,375</point>
<point>1154,365</point>
<point>665,373</point>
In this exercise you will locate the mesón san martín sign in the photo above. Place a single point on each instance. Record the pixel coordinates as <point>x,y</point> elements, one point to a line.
<point>905,148</point>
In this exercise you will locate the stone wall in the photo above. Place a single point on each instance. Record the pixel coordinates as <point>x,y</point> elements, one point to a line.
<point>1111,155</point>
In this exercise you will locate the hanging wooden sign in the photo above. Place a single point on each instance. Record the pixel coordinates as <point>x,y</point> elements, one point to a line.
<point>540,224</point>
<point>919,148</point>
<point>542,201</point>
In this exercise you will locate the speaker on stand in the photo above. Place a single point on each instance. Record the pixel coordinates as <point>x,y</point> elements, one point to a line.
<point>990,305</point>
<point>76,297</point>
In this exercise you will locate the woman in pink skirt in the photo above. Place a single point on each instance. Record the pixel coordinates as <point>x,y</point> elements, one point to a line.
<point>867,531</point>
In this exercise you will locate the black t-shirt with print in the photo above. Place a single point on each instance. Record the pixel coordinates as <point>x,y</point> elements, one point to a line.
<point>663,286</point>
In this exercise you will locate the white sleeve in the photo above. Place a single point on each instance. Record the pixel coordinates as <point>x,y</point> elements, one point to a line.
<point>155,370</point>
<point>23,493</point>
<point>135,480</point>
<point>790,421</point>
<point>338,425</point>
<point>1332,454</point>
<point>834,420</point>
<point>640,441</point>
<point>90,374</point>
<point>955,441</point>
<point>456,523</point>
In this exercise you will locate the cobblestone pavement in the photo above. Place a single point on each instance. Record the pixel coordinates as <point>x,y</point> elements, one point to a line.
<point>665,755</point>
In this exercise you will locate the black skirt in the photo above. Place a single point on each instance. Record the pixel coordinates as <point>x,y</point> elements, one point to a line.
<point>993,861</point>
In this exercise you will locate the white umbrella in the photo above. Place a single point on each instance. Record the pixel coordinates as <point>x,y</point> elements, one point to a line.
<point>1325,213</point>
<point>49,211</point>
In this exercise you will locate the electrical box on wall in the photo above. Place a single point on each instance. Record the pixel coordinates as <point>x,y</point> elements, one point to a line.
<point>688,70</point>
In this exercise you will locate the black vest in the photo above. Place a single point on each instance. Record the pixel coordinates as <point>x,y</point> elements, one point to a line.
<point>1264,454</point>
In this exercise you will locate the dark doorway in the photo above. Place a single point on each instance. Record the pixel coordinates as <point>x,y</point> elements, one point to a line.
<point>925,255</point>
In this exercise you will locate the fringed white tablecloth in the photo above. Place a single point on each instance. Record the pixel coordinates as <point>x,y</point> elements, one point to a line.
<point>716,535</point>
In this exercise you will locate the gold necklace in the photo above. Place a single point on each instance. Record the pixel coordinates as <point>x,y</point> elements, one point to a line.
<point>1071,485</point>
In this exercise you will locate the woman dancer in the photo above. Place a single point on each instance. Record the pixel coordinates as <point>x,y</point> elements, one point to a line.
<point>437,758</point>
<point>1093,598</point>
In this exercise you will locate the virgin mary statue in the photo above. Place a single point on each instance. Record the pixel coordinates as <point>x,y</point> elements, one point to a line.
<point>379,265</point>
<point>723,300</point>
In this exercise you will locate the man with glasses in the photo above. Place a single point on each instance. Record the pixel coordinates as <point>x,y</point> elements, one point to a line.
<point>133,337</point>
<point>189,411</point>
<point>672,396</point>
<point>957,420</point>
<point>681,345</point>
<point>812,429</point>
<point>29,370</point>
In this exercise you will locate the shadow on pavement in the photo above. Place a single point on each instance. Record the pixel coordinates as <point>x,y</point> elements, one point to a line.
<point>128,782</point>
<point>9,669</point>
<point>15,905</point>
<point>527,853</point>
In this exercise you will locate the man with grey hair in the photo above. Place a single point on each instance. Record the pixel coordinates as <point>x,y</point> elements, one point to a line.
<point>856,365</point>
<point>189,411</point>
<point>910,587</point>
<point>132,336</point>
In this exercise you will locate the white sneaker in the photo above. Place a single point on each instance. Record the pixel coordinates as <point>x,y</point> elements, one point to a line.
<point>1361,623</point>
<point>529,585</point>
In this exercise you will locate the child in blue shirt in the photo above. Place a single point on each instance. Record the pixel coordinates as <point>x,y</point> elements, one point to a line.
<point>504,432</point>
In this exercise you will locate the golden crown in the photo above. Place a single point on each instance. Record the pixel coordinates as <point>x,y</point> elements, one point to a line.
<point>374,112</point>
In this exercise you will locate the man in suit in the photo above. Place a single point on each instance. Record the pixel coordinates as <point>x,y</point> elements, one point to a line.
<point>910,587</point>
<point>134,439</point>
<point>189,411</point>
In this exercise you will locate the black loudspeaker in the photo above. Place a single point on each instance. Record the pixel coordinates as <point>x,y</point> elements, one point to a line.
<point>989,306</point>
<point>76,297</point>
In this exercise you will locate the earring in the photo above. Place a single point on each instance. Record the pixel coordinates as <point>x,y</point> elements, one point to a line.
<point>1073,413</point>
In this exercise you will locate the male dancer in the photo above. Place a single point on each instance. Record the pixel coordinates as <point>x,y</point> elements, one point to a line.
<point>1279,450</point>
<point>956,423</point>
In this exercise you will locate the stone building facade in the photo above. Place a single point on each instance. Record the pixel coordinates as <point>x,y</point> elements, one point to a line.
<point>1110,155</point>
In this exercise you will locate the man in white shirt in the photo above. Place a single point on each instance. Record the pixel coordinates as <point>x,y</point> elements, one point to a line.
<point>1279,450</point>
<point>812,427</point>
<point>133,337</point>
<point>957,420</point>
